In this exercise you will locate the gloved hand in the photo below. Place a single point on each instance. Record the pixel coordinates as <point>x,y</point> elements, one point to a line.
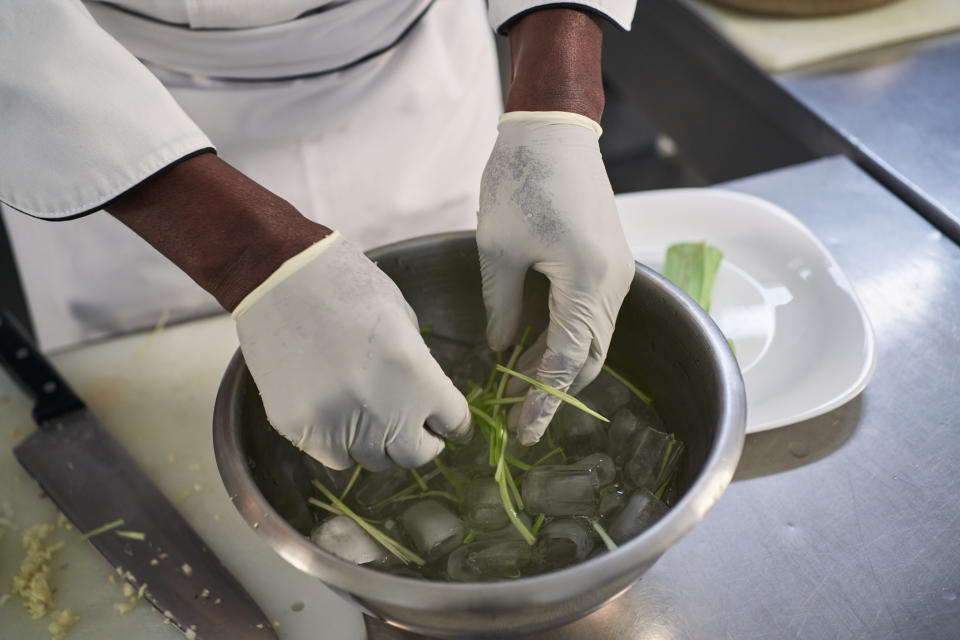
<point>341,367</point>
<point>546,203</point>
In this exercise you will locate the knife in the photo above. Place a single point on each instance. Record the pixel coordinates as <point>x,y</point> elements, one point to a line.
<point>95,481</point>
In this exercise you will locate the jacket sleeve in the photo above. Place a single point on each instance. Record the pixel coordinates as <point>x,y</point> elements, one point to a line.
<point>503,12</point>
<point>82,120</point>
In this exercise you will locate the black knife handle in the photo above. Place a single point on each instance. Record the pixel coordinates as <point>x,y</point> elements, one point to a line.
<point>35,375</point>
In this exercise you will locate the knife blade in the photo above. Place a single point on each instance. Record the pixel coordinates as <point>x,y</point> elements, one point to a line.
<point>93,481</point>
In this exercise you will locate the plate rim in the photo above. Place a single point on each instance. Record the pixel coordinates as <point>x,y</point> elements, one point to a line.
<point>869,365</point>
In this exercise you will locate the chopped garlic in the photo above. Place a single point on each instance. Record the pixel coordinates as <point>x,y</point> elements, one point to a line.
<point>190,634</point>
<point>127,590</point>
<point>187,569</point>
<point>205,593</point>
<point>4,598</point>
<point>62,621</point>
<point>168,614</point>
<point>154,562</point>
<point>276,624</point>
<point>32,583</point>
<point>111,579</point>
<point>125,607</point>
<point>142,590</point>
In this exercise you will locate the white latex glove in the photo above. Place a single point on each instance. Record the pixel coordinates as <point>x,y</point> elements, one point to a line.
<point>546,203</point>
<point>341,367</point>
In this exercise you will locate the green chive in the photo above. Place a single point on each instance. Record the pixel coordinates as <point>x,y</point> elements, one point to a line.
<point>103,529</point>
<point>611,545</point>
<point>566,397</point>
<point>353,478</point>
<point>519,464</point>
<point>406,490</point>
<point>548,456</point>
<point>133,535</point>
<point>503,401</point>
<point>512,514</point>
<point>514,490</point>
<point>416,476</point>
<point>537,524</point>
<point>325,506</point>
<point>511,363</point>
<point>405,555</point>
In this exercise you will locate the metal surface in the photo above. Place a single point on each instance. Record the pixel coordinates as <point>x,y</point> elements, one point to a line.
<point>890,110</point>
<point>847,525</point>
<point>664,342</point>
<point>727,117</point>
<point>93,481</point>
<point>898,106</point>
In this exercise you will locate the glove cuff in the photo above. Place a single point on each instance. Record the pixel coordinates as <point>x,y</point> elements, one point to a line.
<point>551,117</point>
<point>285,270</point>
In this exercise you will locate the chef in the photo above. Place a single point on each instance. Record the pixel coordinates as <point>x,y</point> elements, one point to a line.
<point>261,146</point>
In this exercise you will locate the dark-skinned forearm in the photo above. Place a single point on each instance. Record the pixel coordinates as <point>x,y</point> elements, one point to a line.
<point>555,63</point>
<point>223,229</point>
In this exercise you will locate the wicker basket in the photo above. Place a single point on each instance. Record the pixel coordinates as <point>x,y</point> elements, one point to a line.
<point>801,7</point>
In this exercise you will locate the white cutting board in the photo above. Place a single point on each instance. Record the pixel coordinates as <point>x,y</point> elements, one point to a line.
<point>782,44</point>
<point>155,392</point>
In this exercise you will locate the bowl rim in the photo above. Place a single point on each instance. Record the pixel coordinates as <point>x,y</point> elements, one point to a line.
<point>298,550</point>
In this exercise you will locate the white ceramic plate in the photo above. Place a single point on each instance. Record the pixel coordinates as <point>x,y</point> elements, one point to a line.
<point>802,338</point>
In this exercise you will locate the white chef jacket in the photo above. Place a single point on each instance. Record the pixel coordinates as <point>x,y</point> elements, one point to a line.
<point>371,116</point>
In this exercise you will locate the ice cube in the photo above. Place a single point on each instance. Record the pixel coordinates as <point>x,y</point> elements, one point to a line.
<point>345,538</point>
<point>563,542</point>
<point>623,428</point>
<point>488,560</point>
<point>434,529</point>
<point>602,463</point>
<point>546,446</point>
<point>642,510</point>
<point>579,433</point>
<point>611,502</point>
<point>373,487</point>
<point>522,453</point>
<point>474,455</point>
<point>558,490</point>
<point>483,508</point>
<point>626,424</point>
<point>607,394</point>
<point>508,532</point>
<point>653,457</point>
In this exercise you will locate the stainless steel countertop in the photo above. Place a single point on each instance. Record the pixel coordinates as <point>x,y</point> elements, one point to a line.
<point>898,106</point>
<point>847,525</point>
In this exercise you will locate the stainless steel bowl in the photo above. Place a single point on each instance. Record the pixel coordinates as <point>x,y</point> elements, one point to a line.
<point>663,342</point>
